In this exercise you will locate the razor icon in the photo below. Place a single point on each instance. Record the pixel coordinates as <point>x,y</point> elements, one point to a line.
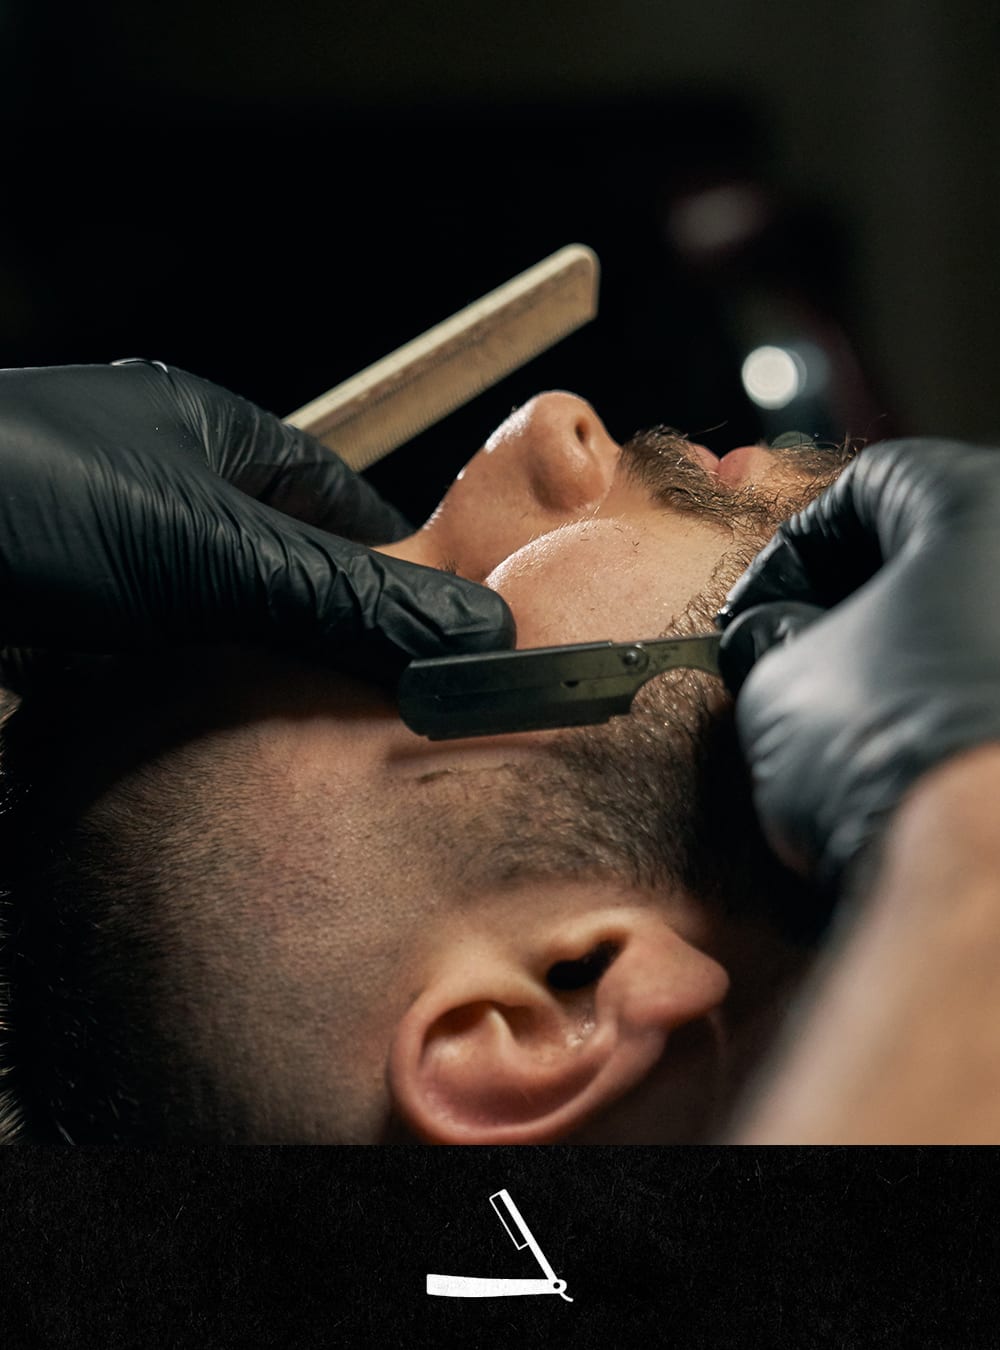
<point>472,1286</point>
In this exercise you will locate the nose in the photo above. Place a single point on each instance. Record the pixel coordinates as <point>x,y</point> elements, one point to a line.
<point>563,450</point>
<point>552,462</point>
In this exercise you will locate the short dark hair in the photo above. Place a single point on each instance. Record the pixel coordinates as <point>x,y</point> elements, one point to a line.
<point>98,888</point>
<point>86,1055</point>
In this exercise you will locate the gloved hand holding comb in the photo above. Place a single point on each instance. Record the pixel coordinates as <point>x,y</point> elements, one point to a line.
<point>863,645</point>
<point>141,506</point>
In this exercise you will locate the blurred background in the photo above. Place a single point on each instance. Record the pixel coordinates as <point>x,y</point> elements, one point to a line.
<point>796,205</point>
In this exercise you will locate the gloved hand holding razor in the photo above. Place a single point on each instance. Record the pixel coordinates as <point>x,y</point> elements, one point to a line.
<point>863,645</point>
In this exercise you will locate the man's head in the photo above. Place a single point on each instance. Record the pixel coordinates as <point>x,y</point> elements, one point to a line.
<point>254,907</point>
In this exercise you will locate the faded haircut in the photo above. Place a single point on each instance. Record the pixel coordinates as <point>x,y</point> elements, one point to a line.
<point>99,884</point>
<point>86,1053</point>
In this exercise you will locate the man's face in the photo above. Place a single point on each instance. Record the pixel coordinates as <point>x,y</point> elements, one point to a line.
<point>588,540</point>
<point>511,939</point>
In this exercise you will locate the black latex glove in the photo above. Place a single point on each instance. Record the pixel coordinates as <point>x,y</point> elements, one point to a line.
<point>140,505</point>
<point>868,636</point>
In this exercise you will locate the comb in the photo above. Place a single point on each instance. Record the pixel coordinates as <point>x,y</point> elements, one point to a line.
<point>392,401</point>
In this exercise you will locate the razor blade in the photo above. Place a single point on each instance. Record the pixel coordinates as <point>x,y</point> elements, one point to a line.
<point>478,1286</point>
<point>541,688</point>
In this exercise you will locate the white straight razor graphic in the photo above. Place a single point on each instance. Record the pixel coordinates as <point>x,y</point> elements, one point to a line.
<point>473,1286</point>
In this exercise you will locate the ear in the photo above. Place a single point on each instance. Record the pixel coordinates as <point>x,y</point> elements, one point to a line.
<point>524,1046</point>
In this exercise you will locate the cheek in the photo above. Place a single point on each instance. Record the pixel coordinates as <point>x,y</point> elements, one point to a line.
<point>478,523</point>
<point>602,580</point>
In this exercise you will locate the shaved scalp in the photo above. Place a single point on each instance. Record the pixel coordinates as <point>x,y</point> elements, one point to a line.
<point>91,969</point>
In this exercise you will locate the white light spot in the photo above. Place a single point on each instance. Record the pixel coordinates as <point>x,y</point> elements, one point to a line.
<point>773,376</point>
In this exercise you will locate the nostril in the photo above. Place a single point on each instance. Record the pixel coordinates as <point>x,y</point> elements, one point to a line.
<point>568,458</point>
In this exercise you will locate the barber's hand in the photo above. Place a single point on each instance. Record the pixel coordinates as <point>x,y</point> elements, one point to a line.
<point>140,505</point>
<point>868,636</point>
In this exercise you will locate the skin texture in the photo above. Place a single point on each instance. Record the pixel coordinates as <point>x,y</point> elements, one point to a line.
<point>383,970</point>
<point>892,1047</point>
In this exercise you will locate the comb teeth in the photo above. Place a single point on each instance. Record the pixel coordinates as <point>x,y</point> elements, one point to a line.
<point>374,412</point>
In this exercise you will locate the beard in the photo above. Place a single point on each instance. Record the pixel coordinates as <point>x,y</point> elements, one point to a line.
<point>661,461</point>
<point>662,798</point>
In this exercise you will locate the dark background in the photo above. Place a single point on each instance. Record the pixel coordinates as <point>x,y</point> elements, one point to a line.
<point>274,196</point>
<point>728,1249</point>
